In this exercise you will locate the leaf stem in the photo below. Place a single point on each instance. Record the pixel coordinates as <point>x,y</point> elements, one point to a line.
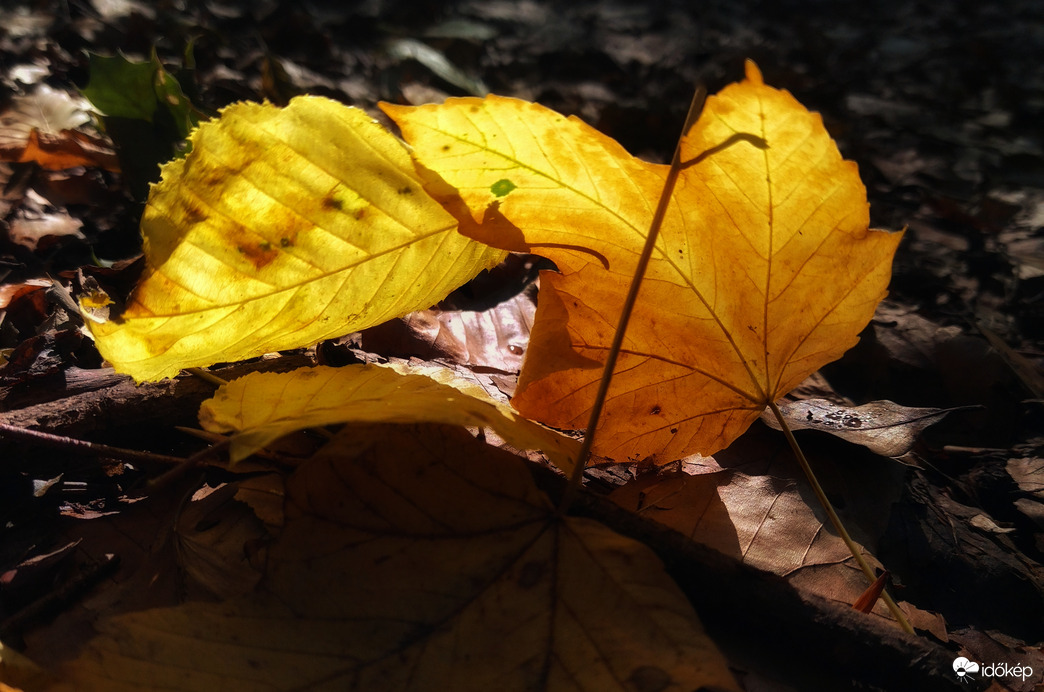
<point>835,520</point>
<point>695,108</point>
<point>208,376</point>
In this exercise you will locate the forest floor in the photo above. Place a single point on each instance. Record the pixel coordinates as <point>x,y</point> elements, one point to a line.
<point>939,104</point>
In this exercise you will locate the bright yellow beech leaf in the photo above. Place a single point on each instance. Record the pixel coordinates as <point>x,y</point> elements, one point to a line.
<point>262,407</point>
<point>283,227</point>
<point>764,270</point>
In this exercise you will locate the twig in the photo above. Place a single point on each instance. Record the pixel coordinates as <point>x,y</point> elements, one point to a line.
<point>835,520</point>
<point>186,465</point>
<point>695,108</point>
<point>53,601</point>
<point>70,444</point>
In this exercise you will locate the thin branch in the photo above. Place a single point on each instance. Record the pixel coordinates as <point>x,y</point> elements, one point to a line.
<point>695,108</point>
<point>70,444</point>
<point>186,465</point>
<point>835,520</point>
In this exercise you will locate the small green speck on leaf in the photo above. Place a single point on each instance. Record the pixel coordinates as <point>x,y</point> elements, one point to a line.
<point>502,187</point>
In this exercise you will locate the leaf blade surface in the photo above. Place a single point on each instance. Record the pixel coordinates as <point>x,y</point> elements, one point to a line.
<point>281,228</point>
<point>765,268</point>
<point>262,407</point>
<point>418,558</point>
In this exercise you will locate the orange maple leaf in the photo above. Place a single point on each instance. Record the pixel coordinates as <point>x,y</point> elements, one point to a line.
<point>765,268</point>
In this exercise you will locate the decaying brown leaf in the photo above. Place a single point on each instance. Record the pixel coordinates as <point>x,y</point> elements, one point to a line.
<point>209,537</point>
<point>40,127</point>
<point>38,220</point>
<point>883,427</point>
<point>491,339</point>
<point>1028,474</point>
<point>761,520</point>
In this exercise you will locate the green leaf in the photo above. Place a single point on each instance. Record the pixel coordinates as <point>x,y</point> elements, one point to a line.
<point>144,111</point>
<point>121,88</point>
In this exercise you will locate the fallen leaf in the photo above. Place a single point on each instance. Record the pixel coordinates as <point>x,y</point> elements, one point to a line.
<point>18,672</point>
<point>262,407</point>
<point>1025,369</point>
<point>883,427</point>
<point>269,236</point>
<point>403,49</point>
<point>1028,473</point>
<point>761,520</point>
<point>37,221</point>
<point>10,293</point>
<point>764,270</point>
<point>210,538</point>
<point>145,112</point>
<point>491,339</point>
<point>418,558</point>
<point>137,90</point>
<point>41,127</point>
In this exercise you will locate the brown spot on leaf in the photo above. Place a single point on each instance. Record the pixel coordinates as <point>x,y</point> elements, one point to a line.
<point>257,254</point>
<point>655,410</point>
<point>194,213</point>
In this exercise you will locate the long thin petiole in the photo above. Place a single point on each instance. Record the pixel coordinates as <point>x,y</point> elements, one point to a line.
<point>695,108</point>
<point>836,520</point>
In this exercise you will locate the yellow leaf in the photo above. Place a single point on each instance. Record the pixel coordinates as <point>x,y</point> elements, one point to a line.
<point>418,558</point>
<point>262,407</point>
<point>764,270</point>
<point>281,228</point>
<point>18,673</point>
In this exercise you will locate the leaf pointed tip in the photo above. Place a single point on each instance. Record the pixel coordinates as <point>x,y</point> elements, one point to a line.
<point>753,74</point>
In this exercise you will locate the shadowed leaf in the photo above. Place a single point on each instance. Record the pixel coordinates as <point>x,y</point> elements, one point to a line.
<point>263,407</point>
<point>420,559</point>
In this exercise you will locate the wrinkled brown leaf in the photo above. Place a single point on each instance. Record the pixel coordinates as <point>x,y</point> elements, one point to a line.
<point>883,427</point>
<point>1028,473</point>
<point>761,520</point>
<point>491,339</point>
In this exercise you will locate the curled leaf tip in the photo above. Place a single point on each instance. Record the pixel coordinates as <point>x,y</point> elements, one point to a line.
<point>752,72</point>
